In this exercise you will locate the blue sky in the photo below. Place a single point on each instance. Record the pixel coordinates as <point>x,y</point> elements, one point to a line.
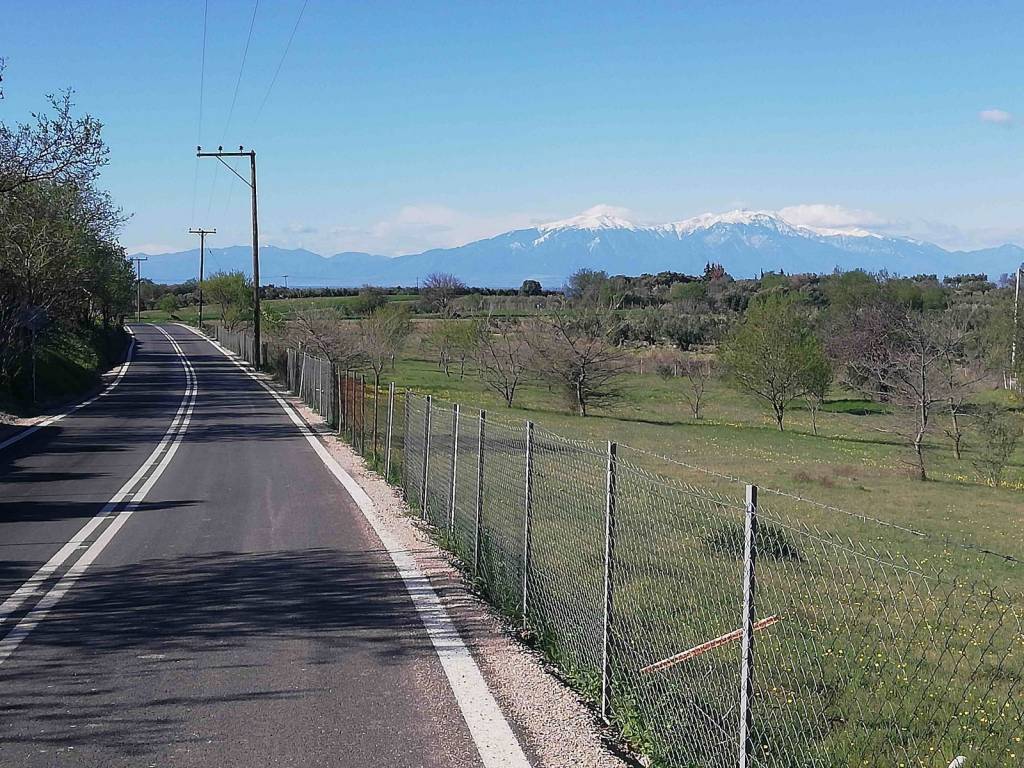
<point>393,127</point>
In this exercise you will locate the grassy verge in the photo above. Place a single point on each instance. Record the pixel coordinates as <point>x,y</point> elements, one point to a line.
<point>68,364</point>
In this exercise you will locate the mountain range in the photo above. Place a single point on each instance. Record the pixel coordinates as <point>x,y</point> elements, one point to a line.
<point>745,242</point>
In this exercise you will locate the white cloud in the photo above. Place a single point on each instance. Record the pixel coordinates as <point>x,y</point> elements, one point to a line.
<point>614,211</point>
<point>410,229</point>
<point>300,229</point>
<point>996,116</point>
<point>830,216</point>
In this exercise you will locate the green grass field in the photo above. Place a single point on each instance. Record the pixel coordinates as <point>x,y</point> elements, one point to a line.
<point>851,464</point>
<point>874,660</point>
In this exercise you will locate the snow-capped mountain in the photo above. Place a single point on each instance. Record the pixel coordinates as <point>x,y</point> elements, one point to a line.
<point>745,242</point>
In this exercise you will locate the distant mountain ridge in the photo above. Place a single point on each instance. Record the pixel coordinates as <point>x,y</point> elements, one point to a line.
<point>745,242</point>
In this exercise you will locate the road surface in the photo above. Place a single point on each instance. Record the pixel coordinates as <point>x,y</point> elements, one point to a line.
<point>231,607</point>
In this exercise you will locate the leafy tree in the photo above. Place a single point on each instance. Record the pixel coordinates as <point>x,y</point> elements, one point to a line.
<point>530,288</point>
<point>368,300</point>
<point>692,292</point>
<point>773,354</point>
<point>232,292</point>
<point>58,148</point>
<point>998,434</point>
<point>169,303</point>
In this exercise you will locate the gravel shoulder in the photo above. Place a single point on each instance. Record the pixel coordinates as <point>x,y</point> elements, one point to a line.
<point>555,726</point>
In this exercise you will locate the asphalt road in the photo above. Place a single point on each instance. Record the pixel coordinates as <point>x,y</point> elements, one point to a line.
<point>244,614</point>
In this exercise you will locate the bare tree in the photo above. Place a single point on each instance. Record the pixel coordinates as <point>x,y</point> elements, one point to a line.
<point>327,334</point>
<point>697,373</point>
<point>439,291</point>
<point>382,336</point>
<point>573,352</point>
<point>502,356</point>
<point>907,365</point>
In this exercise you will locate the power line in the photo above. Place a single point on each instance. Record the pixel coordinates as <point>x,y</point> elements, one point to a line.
<point>199,129</point>
<point>234,100</point>
<point>241,70</point>
<point>280,64</point>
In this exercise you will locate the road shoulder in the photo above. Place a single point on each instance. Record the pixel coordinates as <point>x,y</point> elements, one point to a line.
<point>553,723</point>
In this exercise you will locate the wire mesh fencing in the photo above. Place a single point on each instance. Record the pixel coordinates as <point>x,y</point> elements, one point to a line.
<point>710,629</point>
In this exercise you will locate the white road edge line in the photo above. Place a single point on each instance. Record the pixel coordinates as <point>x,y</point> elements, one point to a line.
<point>495,740</point>
<point>176,433</point>
<point>121,370</point>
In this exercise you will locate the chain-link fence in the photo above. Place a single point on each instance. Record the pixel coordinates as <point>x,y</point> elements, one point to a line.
<point>709,629</point>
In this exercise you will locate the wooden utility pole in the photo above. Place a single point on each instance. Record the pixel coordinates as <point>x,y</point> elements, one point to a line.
<point>1013,342</point>
<point>220,154</point>
<point>202,258</point>
<point>138,286</point>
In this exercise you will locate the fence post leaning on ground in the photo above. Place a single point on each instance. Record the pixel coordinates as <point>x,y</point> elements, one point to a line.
<point>455,469</point>
<point>609,565</point>
<point>478,521</point>
<point>391,419</point>
<point>426,458</point>
<point>747,653</point>
<point>527,515</point>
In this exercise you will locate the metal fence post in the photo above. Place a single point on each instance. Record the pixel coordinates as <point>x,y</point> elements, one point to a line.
<point>747,652</point>
<point>302,375</point>
<point>477,523</point>
<point>426,459</point>
<point>350,397</point>
<point>527,514</point>
<point>363,414</point>
<point>405,446</point>
<point>391,419</point>
<point>376,403</point>
<point>609,565</point>
<point>341,403</point>
<point>455,468</point>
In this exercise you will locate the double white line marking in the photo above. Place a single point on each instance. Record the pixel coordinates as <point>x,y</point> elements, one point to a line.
<point>127,499</point>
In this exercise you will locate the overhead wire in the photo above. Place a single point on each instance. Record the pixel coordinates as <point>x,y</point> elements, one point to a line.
<point>234,97</point>
<point>280,64</point>
<point>199,129</point>
<point>273,81</point>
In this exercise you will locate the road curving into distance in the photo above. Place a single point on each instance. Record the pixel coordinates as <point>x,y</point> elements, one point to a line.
<point>186,582</point>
